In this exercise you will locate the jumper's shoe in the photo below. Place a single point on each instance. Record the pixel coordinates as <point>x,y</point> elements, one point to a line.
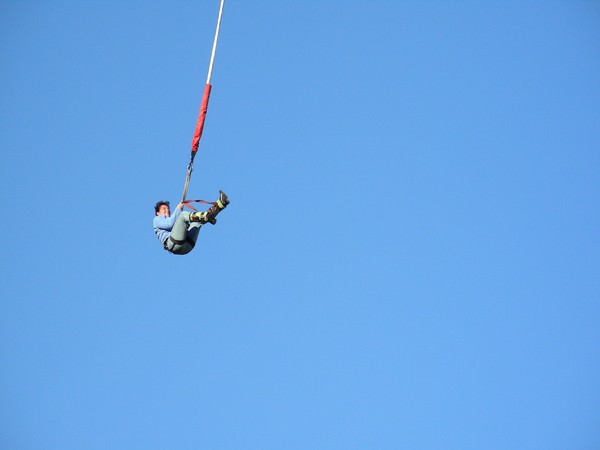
<point>223,200</point>
<point>209,216</point>
<point>219,206</point>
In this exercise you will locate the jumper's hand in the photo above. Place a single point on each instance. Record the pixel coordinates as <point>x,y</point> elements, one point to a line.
<point>181,205</point>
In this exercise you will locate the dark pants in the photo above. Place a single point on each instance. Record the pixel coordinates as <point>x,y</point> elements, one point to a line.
<point>183,235</point>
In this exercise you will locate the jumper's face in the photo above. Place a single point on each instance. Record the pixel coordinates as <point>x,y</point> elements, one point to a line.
<point>163,210</point>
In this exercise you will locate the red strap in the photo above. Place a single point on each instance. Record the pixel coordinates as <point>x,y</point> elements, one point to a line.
<point>201,118</point>
<point>187,203</point>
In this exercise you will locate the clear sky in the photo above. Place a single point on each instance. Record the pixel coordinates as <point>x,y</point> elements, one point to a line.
<point>410,259</point>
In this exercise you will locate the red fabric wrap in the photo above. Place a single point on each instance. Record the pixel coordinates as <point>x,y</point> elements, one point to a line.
<point>201,118</point>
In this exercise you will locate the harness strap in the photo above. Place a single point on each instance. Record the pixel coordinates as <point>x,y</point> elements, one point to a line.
<point>192,207</point>
<point>177,242</point>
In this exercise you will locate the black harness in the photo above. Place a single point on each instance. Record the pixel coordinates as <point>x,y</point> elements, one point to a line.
<point>177,242</point>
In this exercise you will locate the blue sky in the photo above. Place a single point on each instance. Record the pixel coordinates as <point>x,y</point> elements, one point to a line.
<point>410,259</point>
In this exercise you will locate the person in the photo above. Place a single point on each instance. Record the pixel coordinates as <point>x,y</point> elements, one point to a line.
<point>178,232</point>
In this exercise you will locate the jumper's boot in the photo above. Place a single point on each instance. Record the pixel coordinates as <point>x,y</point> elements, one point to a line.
<point>223,200</point>
<point>209,216</point>
<point>201,217</point>
<point>219,206</point>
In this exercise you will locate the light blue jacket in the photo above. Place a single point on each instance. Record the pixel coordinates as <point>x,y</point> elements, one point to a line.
<point>164,224</point>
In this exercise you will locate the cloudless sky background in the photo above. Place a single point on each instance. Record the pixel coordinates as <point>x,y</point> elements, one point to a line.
<point>410,259</point>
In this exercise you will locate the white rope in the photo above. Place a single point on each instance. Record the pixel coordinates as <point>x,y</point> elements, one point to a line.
<point>214,49</point>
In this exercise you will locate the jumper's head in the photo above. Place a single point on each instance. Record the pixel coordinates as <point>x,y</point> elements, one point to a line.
<point>162,208</point>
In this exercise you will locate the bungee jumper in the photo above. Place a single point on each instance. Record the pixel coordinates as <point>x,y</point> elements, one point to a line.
<point>179,231</point>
